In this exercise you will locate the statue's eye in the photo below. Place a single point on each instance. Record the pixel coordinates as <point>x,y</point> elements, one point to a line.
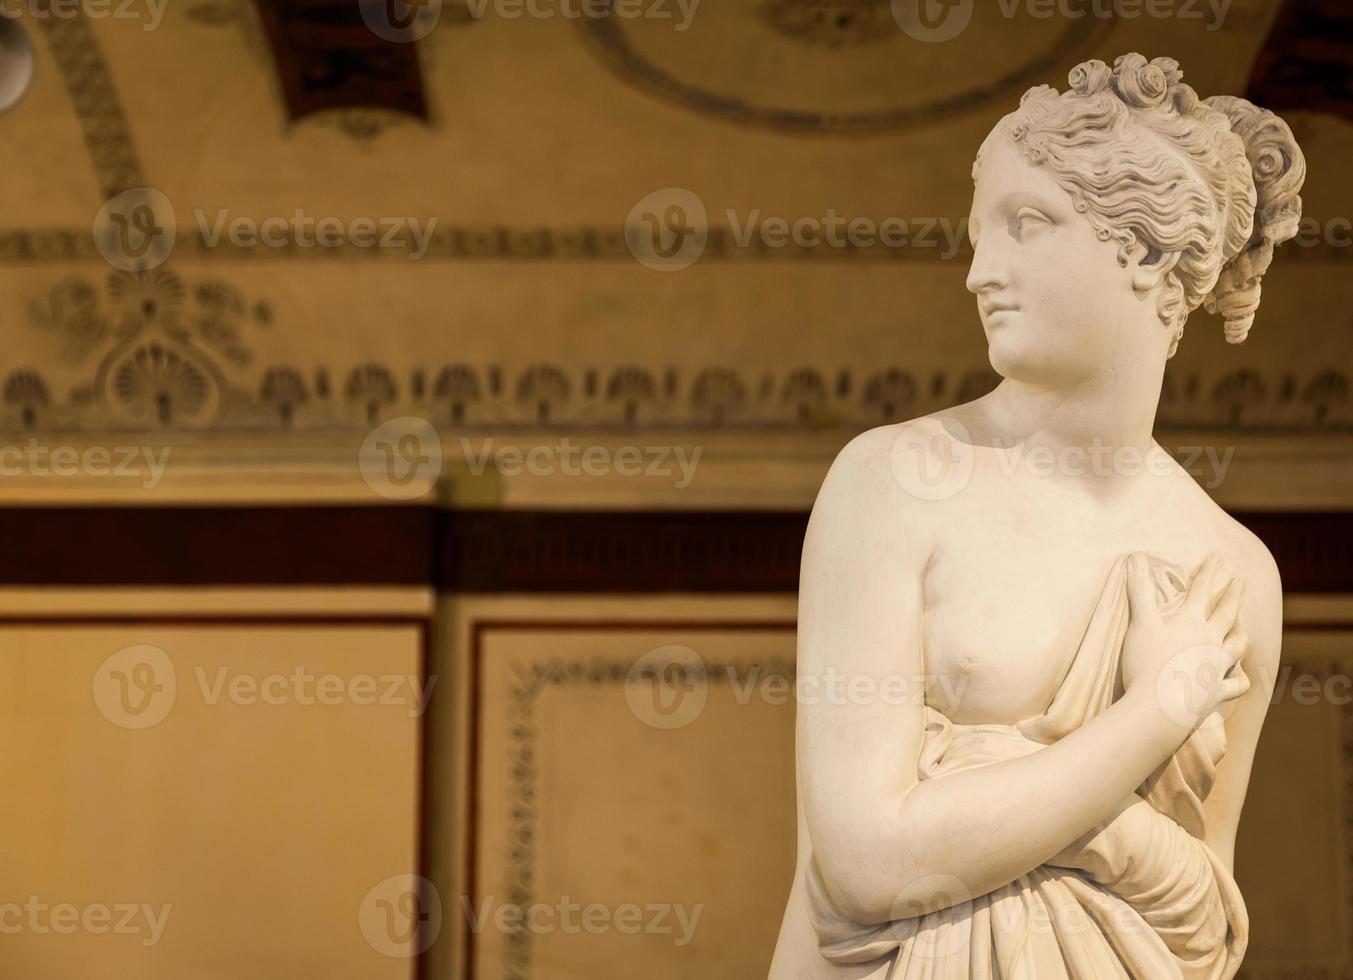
<point>1030,220</point>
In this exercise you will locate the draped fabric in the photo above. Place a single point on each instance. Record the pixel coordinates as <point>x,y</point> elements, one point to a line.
<point>1141,898</point>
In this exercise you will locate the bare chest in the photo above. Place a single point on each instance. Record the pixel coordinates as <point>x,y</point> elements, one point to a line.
<point>1005,610</point>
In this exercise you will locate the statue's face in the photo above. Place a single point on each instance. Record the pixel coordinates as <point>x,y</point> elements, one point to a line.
<point>1056,305</point>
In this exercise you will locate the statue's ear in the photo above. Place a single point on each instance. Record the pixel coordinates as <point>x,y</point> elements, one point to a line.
<point>1149,267</point>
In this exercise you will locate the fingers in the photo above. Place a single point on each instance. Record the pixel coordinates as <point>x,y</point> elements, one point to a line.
<point>1227,610</point>
<point>1204,586</point>
<point>1141,589</point>
<point>1236,643</point>
<point>1235,687</point>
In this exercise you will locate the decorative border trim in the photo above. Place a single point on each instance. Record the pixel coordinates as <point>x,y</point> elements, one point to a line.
<point>521,757</point>
<point>84,70</point>
<point>607,38</point>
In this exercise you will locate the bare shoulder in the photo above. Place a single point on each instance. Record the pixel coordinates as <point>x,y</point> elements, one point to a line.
<point>1262,606</point>
<point>1243,550</point>
<point>868,461</point>
<point>869,488</point>
<point>1249,559</point>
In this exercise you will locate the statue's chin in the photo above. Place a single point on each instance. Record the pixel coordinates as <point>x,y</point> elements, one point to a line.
<point>1031,356</point>
<point>1014,357</point>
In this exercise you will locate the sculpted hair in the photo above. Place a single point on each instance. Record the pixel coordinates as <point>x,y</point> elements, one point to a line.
<point>1206,187</point>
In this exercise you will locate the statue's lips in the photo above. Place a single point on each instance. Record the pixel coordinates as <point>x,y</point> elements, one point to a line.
<point>991,311</point>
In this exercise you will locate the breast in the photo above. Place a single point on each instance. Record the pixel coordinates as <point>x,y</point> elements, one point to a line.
<point>999,636</point>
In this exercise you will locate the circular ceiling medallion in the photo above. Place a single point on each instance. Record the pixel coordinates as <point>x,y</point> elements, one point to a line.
<point>837,65</point>
<point>16,62</point>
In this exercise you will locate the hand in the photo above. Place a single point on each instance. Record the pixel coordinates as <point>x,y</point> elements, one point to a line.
<point>1106,849</point>
<point>1185,658</point>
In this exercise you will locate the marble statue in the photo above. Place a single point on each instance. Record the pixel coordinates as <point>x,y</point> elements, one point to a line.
<point>1095,639</point>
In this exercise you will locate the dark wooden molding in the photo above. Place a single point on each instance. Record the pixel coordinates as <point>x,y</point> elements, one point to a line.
<point>620,551</point>
<point>327,57</point>
<point>143,546</point>
<point>492,551</point>
<point>1314,550</point>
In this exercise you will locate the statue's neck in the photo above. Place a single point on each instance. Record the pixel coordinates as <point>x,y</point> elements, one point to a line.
<point>1108,412</point>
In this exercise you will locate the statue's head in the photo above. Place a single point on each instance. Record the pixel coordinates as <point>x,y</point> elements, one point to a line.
<point>1124,200</point>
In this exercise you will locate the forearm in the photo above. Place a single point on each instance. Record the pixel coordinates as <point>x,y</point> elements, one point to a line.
<point>987,826</point>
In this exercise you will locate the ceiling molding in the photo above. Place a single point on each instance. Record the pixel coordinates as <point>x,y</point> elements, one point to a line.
<point>103,123</point>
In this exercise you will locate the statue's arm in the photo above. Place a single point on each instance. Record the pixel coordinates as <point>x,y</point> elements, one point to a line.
<point>887,845</point>
<point>1262,621</point>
